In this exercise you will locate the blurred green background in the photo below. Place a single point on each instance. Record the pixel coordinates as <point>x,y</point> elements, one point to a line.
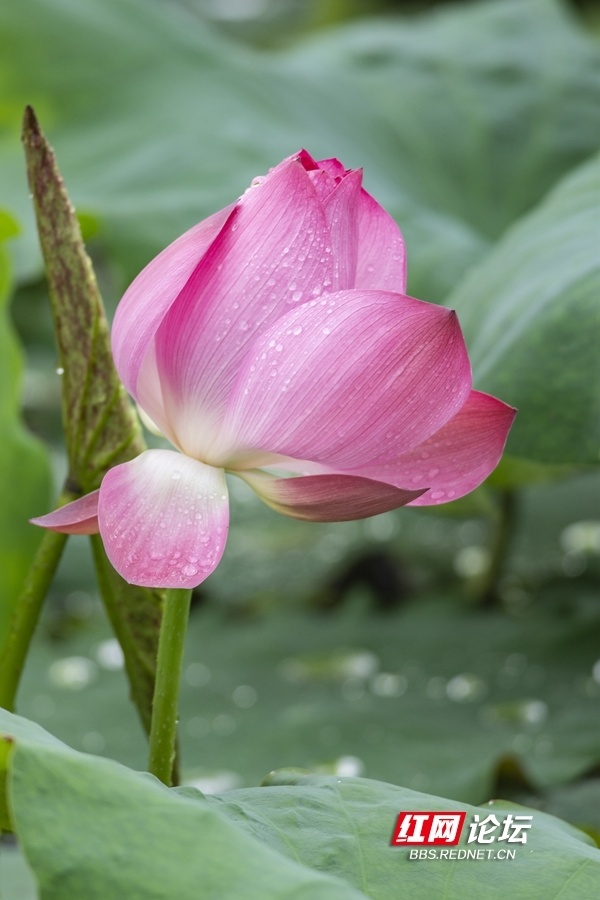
<point>455,652</point>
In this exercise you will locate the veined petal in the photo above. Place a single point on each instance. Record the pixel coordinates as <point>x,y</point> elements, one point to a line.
<point>333,167</point>
<point>356,379</point>
<point>381,261</point>
<point>78,517</point>
<point>153,291</point>
<point>457,458</point>
<point>327,498</point>
<point>164,519</point>
<point>342,212</point>
<point>154,413</point>
<point>271,255</point>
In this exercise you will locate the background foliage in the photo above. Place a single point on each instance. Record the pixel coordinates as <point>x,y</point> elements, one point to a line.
<point>356,649</point>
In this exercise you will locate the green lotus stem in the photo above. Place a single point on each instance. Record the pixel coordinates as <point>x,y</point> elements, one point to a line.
<point>171,642</point>
<point>26,614</point>
<point>504,530</point>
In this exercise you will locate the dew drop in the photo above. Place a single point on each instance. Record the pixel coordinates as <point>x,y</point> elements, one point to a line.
<point>189,570</point>
<point>433,472</point>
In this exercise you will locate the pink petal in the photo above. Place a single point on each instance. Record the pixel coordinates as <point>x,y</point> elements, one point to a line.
<point>164,519</point>
<point>271,255</point>
<point>333,167</point>
<point>150,398</point>
<point>356,379</point>
<point>155,289</point>
<point>381,262</point>
<point>327,498</point>
<point>78,517</point>
<point>457,458</point>
<point>342,212</point>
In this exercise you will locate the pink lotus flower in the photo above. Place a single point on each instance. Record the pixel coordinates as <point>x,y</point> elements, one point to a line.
<point>274,341</point>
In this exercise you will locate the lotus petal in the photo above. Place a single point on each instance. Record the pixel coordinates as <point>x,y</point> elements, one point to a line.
<point>327,498</point>
<point>355,379</point>
<point>78,517</point>
<point>164,519</point>
<point>270,257</point>
<point>457,458</point>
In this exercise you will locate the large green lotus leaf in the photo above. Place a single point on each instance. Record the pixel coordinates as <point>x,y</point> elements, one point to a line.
<point>93,829</point>
<point>461,120</point>
<point>488,103</point>
<point>159,121</point>
<point>578,803</point>
<point>24,467</point>
<point>342,826</point>
<point>531,316</point>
